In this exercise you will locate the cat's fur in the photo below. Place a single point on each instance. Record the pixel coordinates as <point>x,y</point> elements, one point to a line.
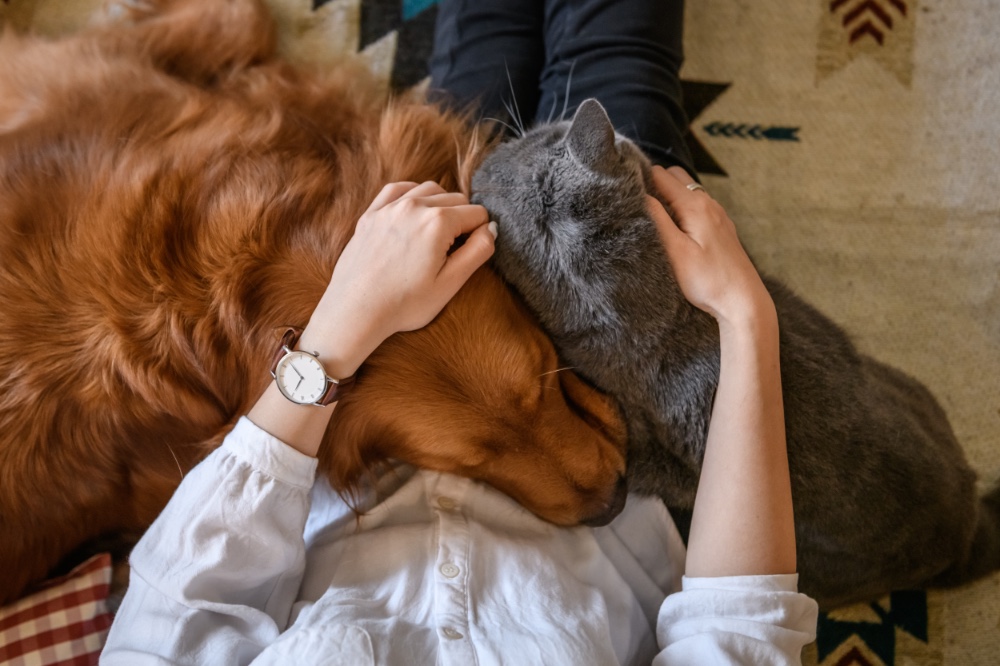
<point>172,195</point>
<point>884,498</point>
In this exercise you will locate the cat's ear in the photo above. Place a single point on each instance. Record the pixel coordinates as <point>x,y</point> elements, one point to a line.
<point>591,137</point>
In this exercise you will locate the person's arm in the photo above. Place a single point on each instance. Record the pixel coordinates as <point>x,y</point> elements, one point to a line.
<point>394,275</point>
<point>739,603</point>
<point>742,522</point>
<point>215,577</point>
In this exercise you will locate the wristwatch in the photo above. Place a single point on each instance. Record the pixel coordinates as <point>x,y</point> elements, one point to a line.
<point>301,377</point>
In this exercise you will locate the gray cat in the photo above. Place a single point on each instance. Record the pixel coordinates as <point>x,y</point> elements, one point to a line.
<point>884,498</point>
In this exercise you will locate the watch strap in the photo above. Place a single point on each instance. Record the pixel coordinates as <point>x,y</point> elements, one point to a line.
<point>288,340</point>
<point>334,387</point>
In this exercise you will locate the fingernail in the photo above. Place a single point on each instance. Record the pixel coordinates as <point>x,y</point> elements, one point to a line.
<point>492,228</point>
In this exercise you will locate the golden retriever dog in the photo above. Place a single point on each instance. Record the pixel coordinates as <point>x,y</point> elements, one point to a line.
<point>172,196</point>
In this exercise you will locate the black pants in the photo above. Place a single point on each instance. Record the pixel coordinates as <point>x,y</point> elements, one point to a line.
<point>540,58</point>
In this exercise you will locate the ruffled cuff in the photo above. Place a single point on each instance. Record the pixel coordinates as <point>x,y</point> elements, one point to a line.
<point>736,620</point>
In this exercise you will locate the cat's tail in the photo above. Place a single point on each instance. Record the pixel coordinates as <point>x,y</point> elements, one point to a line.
<point>983,556</point>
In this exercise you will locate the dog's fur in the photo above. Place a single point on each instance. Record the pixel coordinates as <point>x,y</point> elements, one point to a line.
<point>171,196</point>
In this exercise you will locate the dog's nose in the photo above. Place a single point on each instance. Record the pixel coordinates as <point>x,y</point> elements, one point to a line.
<point>613,507</point>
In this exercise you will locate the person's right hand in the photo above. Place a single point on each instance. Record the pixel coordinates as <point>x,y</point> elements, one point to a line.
<point>398,260</point>
<point>712,268</point>
<point>398,271</point>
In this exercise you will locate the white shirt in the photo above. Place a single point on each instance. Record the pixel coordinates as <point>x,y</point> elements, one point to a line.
<point>253,561</point>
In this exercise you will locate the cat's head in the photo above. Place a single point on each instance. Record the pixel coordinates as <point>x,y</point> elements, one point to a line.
<point>579,170</point>
<point>572,191</point>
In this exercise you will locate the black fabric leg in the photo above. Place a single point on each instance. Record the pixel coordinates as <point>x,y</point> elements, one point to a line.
<point>627,54</point>
<point>547,57</point>
<point>489,54</point>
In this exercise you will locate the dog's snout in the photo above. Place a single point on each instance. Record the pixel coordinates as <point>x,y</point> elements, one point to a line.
<point>613,507</point>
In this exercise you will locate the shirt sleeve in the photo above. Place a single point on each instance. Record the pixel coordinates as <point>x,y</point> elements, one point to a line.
<point>214,578</point>
<point>736,620</point>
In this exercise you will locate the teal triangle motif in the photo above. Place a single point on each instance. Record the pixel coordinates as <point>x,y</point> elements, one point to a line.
<point>413,7</point>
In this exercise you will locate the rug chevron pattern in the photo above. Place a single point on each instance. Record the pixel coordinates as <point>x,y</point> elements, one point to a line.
<point>859,158</point>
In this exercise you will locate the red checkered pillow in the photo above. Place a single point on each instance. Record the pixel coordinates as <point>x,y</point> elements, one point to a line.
<point>66,623</point>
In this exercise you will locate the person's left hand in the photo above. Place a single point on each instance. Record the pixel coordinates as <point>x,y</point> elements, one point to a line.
<point>712,268</point>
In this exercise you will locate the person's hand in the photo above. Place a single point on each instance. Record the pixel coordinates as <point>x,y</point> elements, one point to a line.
<point>712,268</point>
<point>396,273</point>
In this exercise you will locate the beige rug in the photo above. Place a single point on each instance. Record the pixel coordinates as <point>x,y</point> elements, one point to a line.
<point>860,140</point>
<point>885,214</point>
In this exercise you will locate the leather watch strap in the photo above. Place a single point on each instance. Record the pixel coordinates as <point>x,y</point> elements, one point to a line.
<point>334,389</point>
<point>288,340</point>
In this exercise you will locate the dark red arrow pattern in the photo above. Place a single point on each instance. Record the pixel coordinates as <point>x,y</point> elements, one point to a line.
<point>868,17</point>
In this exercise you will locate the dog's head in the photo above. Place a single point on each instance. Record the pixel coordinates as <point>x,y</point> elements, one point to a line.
<point>480,393</point>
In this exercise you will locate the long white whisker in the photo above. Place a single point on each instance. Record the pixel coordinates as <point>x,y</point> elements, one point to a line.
<point>179,470</point>
<point>552,111</point>
<point>513,98</point>
<point>510,112</point>
<point>569,80</point>
<point>497,120</point>
<point>552,372</point>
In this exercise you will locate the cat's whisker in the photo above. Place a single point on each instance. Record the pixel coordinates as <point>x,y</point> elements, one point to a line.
<point>552,111</point>
<point>510,112</point>
<point>507,125</point>
<point>179,469</point>
<point>513,98</point>
<point>510,188</point>
<point>552,372</point>
<point>519,131</point>
<point>569,79</point>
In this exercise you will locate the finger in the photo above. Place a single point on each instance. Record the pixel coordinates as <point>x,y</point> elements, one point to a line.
<point>464,261</point>
<point>680,174</point>
<point>390,193</point>
<point>678,197</point>
<point>425,189</point>
<point>684,177</point>
<point>467,218</point>
<point>668,185</point>
<point>444,200</point>
<point>673,191</point>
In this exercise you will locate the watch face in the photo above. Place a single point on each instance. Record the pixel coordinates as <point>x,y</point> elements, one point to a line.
<point>300,377</point>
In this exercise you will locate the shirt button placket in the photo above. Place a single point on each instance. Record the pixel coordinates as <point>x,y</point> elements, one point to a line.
<point>452,581</point>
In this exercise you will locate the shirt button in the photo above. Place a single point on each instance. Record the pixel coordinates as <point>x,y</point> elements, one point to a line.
<point>451,633</point>
<point>447,503</point>
<point>449,570</point>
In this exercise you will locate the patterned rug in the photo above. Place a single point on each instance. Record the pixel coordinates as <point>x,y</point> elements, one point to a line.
<point>855,142</point>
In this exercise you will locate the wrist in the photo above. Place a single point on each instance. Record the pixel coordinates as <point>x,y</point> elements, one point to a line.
<point>757,320</point>
<point>341,340</point>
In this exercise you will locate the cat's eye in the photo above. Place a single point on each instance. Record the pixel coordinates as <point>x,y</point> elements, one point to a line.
<point>545,190</point>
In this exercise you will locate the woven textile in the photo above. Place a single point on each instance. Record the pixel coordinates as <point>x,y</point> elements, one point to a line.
<point>855,143</point>
<point>64,624</point>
